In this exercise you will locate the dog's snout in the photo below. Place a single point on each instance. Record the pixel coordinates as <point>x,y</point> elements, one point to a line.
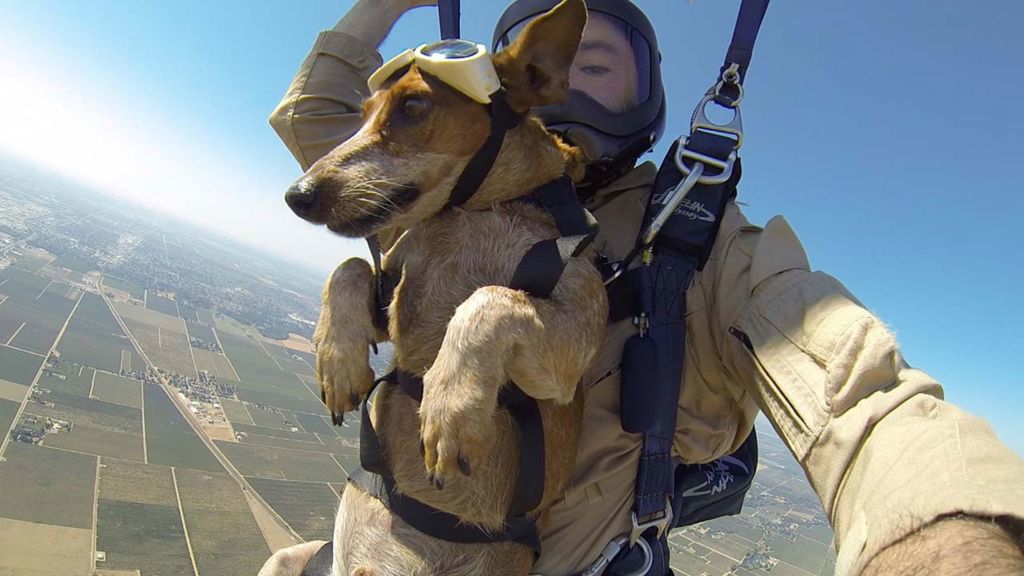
<point>302,198</point>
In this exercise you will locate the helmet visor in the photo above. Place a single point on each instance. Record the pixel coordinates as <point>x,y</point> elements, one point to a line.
<point>612,65</point>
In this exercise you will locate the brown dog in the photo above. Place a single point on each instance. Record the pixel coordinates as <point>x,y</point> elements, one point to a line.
<point>452,320</point>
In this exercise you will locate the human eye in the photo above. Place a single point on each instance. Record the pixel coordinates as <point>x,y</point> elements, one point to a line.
<point>595,70</point>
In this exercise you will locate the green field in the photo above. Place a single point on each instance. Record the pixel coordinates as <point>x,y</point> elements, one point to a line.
<point>308,507</point>
<point>22,284</point>
<point>118,389</point>
<point>261,440</point>
<point>123,285</point>
<point>67,377</point>
<point>76,264</point>
<point>170,440</point>
<point>17,366</point>
<point>166,349</point>
<point>161,304</point>
<point>267,462</point>
<point>235,411</point>
<point>314,424</point>
<point>288,360</point>
<point>115,412</point>
<point>187,312</point>
<point>94,338</point>
<point>8,410</point>
<point>98,441</point>
<point>275,432</point>
<point>201,331</point>
<point>214,363</point>
<point>218,519</point>
<point>138,523</point>
<point>33,324</point>
<point>305,402</point>
<point>47,486</point>
<point>206,316</point>
<point>266,418</point>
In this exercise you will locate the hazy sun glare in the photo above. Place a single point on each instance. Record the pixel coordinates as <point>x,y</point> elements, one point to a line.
<point>98,132</point>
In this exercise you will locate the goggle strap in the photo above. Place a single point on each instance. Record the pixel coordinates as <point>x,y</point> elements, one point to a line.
<point>503,119</point>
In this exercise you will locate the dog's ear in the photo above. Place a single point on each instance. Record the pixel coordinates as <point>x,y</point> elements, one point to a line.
<point>535,68</point>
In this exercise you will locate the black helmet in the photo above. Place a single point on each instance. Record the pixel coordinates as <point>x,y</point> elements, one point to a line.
<point>613,129</point>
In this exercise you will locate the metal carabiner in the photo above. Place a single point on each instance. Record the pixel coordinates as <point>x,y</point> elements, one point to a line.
<point>612,550</point>
<point>662,523</point>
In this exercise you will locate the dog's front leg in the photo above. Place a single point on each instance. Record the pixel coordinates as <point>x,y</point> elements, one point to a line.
<point>498,335</point>
<point>342,337</point>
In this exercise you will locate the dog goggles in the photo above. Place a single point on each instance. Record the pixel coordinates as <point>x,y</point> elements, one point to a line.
<point>461,64</point>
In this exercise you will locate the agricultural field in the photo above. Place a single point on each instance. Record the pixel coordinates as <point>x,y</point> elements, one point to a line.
<point>200,331</point>
<point>94,338</point>
<point>308,507</point>
<point>214,363</point>
<point>138,521</point>
<point>188,313</point>
<point>261,440</point>
<point>295,397</point>
<point>18,366</point>
<point>170,440</point>
<point>29,549</point>
<point>315,424</point>
<point>34,492</point>
<point>235,411</point>
<point>33,324</point>
<point>218,519</point>
<point>19,283</point>
<point>167,349</point>
<point>67,377</point>
<point>275,432</point>
<point>282,464</point>
<point>136,291</point>
<point>288,360</point>
<point>253,365</point>
<point>117,389</point>
<point>74,264</point>
<point>161,304</point>
<point>98,427</point>
<point>8,410</point>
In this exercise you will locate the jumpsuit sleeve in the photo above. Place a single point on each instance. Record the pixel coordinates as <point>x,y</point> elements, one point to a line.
<point>322,106</point>
<point>883,450</point>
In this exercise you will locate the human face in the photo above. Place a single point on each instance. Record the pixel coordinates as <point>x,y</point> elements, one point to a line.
<point>605,67</point>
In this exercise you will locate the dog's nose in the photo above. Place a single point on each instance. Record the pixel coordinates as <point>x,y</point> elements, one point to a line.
<point>302,198</point>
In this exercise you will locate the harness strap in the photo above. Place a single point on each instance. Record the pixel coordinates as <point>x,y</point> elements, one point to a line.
<point>322,563</point>
<point>375,478</point>
<point>503,119</point>
<point>541,267</point>
<point>741,49</point>
<point>448,17</point>
<point>442,525</point>
<point>526,414</point>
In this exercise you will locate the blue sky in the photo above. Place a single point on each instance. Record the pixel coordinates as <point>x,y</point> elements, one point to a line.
<point>888,133</point>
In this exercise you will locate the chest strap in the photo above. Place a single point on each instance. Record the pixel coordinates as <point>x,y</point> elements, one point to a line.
<point>375,478</point>
<point>537,274</point>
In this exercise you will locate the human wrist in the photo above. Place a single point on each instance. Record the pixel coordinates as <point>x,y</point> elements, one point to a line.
<point>371,20</point>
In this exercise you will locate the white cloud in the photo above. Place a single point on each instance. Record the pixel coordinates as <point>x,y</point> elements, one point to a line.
<point>97,132</point>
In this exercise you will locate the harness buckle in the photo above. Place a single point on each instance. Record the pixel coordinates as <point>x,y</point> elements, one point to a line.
<point>661,522</point>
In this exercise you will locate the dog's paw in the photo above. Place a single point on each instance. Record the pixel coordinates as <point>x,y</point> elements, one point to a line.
<point>456,423</point>
<point>344,375</point>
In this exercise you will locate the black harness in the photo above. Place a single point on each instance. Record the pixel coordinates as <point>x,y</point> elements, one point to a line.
<point>537,274</point>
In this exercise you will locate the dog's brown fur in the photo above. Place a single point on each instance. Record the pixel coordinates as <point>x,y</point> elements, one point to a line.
<point>452,320</point>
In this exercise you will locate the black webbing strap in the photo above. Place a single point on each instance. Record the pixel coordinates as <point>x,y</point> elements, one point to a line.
<point>322,563</point>
<point>526,414</point>
<point>541,267</point>
<point>741,49</point>
<point>448,17</point>
<point>503,119</point>
<point>442,525</point>
<point>652,364</point>
<point>375,478</point>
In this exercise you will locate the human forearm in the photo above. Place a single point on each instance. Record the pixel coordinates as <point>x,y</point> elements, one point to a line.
<point>321,108</point>
<point>955,546</point>
<point>371,20</point>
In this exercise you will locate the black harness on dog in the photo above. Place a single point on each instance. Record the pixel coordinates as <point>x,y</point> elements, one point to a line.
<point>537,274</point>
